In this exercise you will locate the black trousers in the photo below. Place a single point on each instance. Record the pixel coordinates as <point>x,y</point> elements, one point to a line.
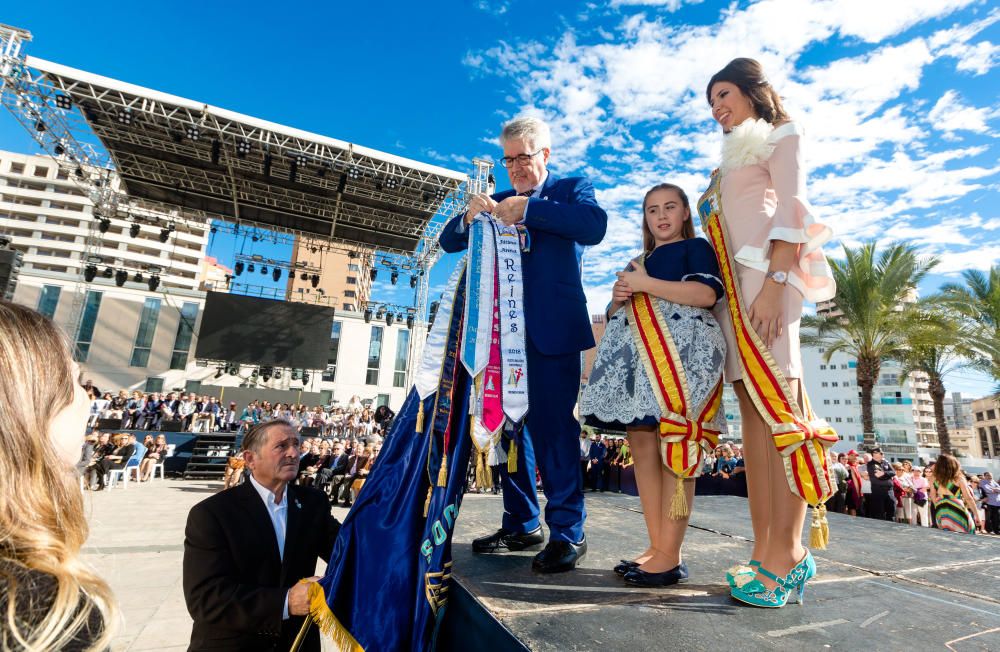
<point>993,519</point>
<point>882,506</point>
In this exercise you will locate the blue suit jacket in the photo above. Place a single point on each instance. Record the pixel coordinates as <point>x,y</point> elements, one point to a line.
<point>563,216</point>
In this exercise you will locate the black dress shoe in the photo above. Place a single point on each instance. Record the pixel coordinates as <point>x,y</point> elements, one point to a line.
<point>638,577</point>
<point>625,566</point>
<point>505,541</point>
<point>559,556</point>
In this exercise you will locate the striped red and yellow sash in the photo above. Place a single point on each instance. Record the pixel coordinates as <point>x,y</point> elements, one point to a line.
<point>684,429</point>
<point>802,439</point>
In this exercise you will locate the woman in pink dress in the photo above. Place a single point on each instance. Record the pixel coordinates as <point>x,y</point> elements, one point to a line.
<point>773,245</point>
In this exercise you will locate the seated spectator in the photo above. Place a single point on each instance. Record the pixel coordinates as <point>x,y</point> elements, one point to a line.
<point>156,452</point>
<point>321,459</point>
<point>357,468</point>
<point>49,600</point>
<point>170,408</point>
<point>725,465</point>
<point>151,412</point>
<point>230,418</point>
<point>234,472</point>
<point>116,407</point>
<point>335,467</point>
<point>125,447</point>
<point>383,418</point>
<point>186,408</point>
<point>103,447</point>
<point>133,411</point>
<point>97,405</point>
<point>87,451</point>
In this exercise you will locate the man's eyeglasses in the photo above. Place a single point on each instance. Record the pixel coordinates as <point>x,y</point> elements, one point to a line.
<point>521,159</point>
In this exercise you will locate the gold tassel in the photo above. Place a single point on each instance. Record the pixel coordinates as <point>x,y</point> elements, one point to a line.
<point>679,504</point>
<point>427,503</point>
<point>443,472</point>
<point>819,529</point>
<point>487,472</point>
<point>483,475</point>
<point>328,624</point>
<point>512,456</point>
<point>420,418</point>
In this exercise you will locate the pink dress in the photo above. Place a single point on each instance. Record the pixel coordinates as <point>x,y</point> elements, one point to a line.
<point>764,199</point>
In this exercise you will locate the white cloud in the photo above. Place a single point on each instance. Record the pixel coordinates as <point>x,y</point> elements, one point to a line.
<point>950,114</point>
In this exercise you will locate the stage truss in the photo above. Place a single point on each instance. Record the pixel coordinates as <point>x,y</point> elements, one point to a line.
<point>143,155</point>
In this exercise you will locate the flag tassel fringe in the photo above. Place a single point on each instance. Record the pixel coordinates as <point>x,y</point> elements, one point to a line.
<point>327,622</point>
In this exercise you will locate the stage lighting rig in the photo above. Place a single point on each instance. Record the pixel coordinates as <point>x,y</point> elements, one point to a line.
<point>193,133</point>
<point>267,165</point>
<point>59,149</point>
<point>380,313</point>
<point>89,272</point>
<point>153,282</point>
<point>251,268</point>
<point>138,278</point>
<point>304,277</point>
<point>368,315</point>
<point>265,373</point>
<point>277,374</point>
<point>440,194</point>
<point>233,369</point>
<point>354,173</point>
<point>216,151</point>
<point>389,318</point>
<point>409,320</point>
<point>392,183</point>
<point>238,267</point>
<point>64,102</point>
<point>164,235</point>
<point>314,280</point>
<point>394,276</point>
<point>276,274</point>
<point>125,117</point>
<point>120,277</point>
<point>293,171</point>
<point>263,270</point>
<point>413,281</point>
<point>218,372</point>
<point>39,126</point>
<point>108,272</point>
<point>305,378</point>
<point>242,148</point>
<point>295,374</point>
<point>373,273</point>
<point>133,230</point>
<point>103,225</point>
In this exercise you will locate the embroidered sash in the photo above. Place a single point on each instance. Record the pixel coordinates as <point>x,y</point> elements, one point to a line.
<point>685,433</point>
<point>801,439</point>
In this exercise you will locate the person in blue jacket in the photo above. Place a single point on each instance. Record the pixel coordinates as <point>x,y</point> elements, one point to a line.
<point>560,217</point>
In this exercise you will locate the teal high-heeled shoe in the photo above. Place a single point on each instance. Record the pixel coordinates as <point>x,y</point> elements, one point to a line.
<point>755,594</point>
<point>741,574</point>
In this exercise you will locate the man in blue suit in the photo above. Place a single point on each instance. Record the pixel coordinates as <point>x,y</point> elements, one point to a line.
<point>561,216</point>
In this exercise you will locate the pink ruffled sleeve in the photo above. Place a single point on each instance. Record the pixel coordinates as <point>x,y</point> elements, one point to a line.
<point>793,220</point>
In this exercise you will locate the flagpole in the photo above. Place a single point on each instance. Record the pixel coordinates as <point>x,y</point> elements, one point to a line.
<point>302,634</point>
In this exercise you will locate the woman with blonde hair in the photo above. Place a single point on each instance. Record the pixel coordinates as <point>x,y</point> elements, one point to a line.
<point>49,600</point>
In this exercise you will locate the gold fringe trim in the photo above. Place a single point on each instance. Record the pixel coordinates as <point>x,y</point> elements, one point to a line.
<point>819,529</point>
<point>427,503</point>
<point>328,624</point>
<point>484,475</point>
<point>679,504</point>
<point>420,417</point>
<point>443,472</point>
<point>512,456</point>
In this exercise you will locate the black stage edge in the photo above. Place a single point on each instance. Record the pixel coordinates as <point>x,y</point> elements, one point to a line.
<point>881,586</point>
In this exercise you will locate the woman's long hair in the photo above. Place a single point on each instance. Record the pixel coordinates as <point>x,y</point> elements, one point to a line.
<point>42,522</point>
<point>687,231</point>
<point>946,469</point>
<point>748,76</point>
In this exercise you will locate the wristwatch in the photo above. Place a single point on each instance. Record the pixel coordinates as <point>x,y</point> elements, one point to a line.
<point>778,277</point>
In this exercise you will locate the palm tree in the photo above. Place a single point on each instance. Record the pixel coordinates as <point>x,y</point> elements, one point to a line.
<point>937,343</point>
<point>866,319</point>
<point>979,301</point>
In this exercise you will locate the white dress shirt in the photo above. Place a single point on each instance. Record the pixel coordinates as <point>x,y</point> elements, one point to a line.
<point>278,513</point>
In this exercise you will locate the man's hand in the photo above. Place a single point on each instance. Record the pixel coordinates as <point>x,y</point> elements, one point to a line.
<point>511,210</point>
<point>478,204</point>
<point>298,597</point>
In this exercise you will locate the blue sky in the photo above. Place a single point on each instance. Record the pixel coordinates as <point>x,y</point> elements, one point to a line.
<point>898,97</point>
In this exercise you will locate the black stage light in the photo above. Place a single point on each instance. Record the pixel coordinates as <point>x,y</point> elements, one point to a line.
<point>263,270</point>
<point>193,133</point>
<point>373,274</point>
<point>218,372</point>
<point>440,193</point>
<point>164,235</point>
<point>64,102</point>
<point>267,165</point>
<point>342,184</point>
<point>313,249</point>
<point>59,150</point>
<point>254,237</point>
<point>251,268</point>
<point>255,373</point>
<point>380,313</point>
<point>293,170</point>
<point>104,225</point>
<point>108,272</point>
<point>322,170</point>
<point>125,117</point>
<point>314,280</point>
<point>368,315</point>
<point>39,126</point>
<point>133,230</point>
<point>389,318</point>
<point>295,374</point>
<point>177,137</point>
<point>304,277</point>
<point>120,277</point>
<point>409,321</point>
<point>214,230</point>
<point>277,374</point>
<point>79,173</point>
<point>305,378</point>
<point>265,373</point>
<point>394,277</point>
<point>238,268</point>
<point>242,148</point>
<point>216,151</point>
<point>137,278</point>
<point>153,282</point>
<point>276,274</point>
<point>413,281</point>
<point>354,173</point>
<point>233,370</point>
<point>89,272</point>
<point>391,183</point>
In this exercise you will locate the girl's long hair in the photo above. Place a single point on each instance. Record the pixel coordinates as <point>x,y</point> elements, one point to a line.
<point>687,231</point>
<point>748,76</point>
<point>946,469</point>
<point>42,522</point>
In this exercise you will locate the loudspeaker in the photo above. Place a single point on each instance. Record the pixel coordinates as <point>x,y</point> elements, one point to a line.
<point>174,425</point>
<point>108,425</point>
<point>309,432</point>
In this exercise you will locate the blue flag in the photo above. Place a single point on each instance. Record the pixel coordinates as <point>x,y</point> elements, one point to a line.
<point>385,587</point>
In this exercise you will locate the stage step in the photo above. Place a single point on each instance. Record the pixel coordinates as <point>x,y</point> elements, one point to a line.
<point>210,454</point>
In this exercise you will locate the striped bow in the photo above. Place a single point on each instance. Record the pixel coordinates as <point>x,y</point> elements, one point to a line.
<point>685,442</point>
<point>788,437</point>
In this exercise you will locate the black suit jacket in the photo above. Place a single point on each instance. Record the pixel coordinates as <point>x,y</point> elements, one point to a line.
<point>338,464</point>
<point>235,582</point>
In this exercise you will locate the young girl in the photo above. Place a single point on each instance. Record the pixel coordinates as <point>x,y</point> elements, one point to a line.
<point>955,507</point>
<point>660,334</point>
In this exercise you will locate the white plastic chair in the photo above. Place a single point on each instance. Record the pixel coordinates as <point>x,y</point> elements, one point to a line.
<point>163,464</point>
<point>131,465</point>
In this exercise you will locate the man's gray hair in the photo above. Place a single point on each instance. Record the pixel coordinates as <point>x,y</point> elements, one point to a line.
<point>256,436</point>
<point>529,129</point>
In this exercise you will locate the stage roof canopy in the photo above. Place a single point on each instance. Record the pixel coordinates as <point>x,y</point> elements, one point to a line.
<point>187,154</point>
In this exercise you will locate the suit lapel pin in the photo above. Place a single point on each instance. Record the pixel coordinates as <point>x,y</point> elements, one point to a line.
<point>298,505</point>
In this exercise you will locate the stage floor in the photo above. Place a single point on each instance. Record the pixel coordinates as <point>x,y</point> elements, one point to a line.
<point>881,586</point>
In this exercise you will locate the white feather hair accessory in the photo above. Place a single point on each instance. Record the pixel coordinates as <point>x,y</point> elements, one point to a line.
<point>747,144</point>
